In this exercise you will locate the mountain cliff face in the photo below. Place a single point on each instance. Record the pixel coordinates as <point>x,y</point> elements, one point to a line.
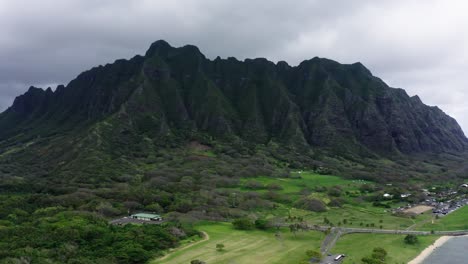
<point>177,92</point>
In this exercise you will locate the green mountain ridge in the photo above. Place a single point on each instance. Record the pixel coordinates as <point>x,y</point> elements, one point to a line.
<point>172,96</point>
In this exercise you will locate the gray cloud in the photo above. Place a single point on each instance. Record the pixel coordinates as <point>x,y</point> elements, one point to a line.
<point>417,45</point>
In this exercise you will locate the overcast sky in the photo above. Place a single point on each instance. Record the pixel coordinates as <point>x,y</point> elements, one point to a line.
<point>421,46</point>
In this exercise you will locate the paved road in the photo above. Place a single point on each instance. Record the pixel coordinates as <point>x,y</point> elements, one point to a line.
<point>348,230</point>
<point>330,240</point>
<point>336,232</point>
<point>331,259</point>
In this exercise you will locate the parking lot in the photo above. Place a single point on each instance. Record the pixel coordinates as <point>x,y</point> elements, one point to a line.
<point>330,259</point>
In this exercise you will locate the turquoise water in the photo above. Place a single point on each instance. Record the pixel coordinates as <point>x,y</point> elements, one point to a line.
<point>453,251</point>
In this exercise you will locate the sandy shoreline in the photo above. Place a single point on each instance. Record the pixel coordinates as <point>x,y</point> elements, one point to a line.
<point>427,251</point>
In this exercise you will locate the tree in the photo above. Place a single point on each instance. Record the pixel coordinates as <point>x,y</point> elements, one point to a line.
<point>106,209</point>
<point>411,239</point>
<point>378,256</point>
<point>219,247</point>
<point>379,253</point>
<point>274,186</point>
<point>335,191</point>
<point>261,224</point>
<point>276,222</point>
<point>314,255</point>
<point>132,206</point>
<point>370,260</point>
<point>255,185</point>
<point>243,224</point>
<point>293,228</point>
<point>196,261</point>
<point>311,204</point>
<point>154,207</point>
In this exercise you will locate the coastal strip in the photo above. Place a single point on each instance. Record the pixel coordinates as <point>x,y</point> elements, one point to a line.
<point>427,251</point>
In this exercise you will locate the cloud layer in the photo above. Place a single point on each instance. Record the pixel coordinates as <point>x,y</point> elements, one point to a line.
<point>421,46</point>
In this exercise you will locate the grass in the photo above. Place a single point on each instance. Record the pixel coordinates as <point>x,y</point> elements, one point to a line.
<point>263,247</point>
<point>247,246</point>
<point>307,180</point>
<point>357,246</point>
<point>292,187</point>
<point>456,220</point>
<point>354,211</point>
<point>365,213</point>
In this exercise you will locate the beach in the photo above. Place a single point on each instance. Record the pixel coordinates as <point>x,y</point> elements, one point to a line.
<point>427,251</point>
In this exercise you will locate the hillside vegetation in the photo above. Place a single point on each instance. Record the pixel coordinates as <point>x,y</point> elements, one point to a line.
<point>117,118</point>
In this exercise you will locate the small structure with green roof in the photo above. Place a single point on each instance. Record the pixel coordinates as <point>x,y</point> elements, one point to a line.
<point>147,217</point>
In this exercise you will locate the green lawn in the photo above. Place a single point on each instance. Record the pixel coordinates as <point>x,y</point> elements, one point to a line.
<point>357,246</point>
<point>457,220</point>
<point>247,246</point>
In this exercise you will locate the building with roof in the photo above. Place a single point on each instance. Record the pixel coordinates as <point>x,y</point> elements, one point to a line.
<point>146,217</point>
<point>387,195</point>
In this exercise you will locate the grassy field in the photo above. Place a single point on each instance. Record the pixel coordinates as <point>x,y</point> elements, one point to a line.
<point>364,215</point>
<point>356,212</point>
<point>357,246</point>
<point>456,220</point>
<point>263,247</point>
<point>308,180</point>
<point>246,246</point>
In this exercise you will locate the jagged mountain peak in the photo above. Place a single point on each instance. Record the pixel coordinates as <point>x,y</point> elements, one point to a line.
<point>178,91</point>
<point>158,47</point>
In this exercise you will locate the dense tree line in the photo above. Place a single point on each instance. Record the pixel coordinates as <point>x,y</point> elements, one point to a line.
<point>79,237</point>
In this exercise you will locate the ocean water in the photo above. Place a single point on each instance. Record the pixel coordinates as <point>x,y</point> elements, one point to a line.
<point>453,251</point>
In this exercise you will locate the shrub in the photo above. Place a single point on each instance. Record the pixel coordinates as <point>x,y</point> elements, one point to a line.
<point>243,224</point>
<point>313,254</point>
<point>335,191</point>
<point>336,202</point>
<point>219,247</point>
<point>253,185</point>
<point>261,224</point>
<point>378,256</point>
<point>379,253</point>
<point>411,239</point>
<point>276,197</point>
<point>274,186</point>
<point>311,204</point>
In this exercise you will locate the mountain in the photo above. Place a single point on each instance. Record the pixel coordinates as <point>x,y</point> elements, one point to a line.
<point>172,96</point>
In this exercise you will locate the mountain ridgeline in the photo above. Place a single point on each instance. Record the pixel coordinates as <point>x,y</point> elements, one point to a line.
<point>178,93</point>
